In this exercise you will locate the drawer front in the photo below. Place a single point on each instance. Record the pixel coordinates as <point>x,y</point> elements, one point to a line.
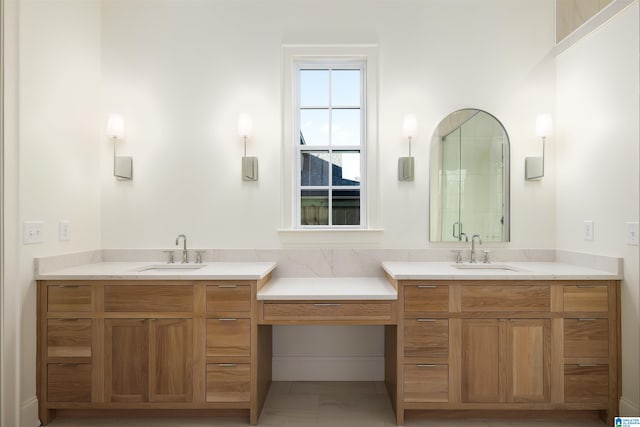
<point>228,382</point>
<point>586,384</point>
<point>69,382</point>
<point>426,338</point>
<point>228,337</point>
<point>229,298</point>
<point>426,383</point>
<point>506,298</point>
<point>589,298</point>
<point>586,338</point>
<point>69,337</point>
<point>423,298</point>
<point>327,311</point>
<point>138,298</point>
<point>69,298</point>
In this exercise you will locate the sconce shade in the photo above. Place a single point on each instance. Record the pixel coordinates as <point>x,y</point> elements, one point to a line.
<point>245,125</point>
<point>409,126</point>
<point>543,125</point>
<point>115,126</point>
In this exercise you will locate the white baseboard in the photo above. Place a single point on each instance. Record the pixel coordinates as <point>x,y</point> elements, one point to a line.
<point>628,408</point>
<point>301,368</point>
<point>29,413</point>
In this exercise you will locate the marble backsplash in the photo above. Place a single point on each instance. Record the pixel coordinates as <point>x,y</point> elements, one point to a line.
<point>296,262</point>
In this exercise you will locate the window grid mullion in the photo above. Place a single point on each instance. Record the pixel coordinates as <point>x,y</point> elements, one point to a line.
<point>330,192</point>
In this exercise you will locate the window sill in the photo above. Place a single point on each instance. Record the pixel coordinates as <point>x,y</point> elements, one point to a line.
<point>330,237</point>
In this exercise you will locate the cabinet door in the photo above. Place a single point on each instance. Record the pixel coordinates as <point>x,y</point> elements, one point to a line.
<point>126,360</point>
<point>69,382</point>
<point>69,337</point>
<point>527,355</point>
<point>171,360</point>
<point>228,382</point>
<point>228,337</point>
<point>481,360</point>
<point>426,383</point>
<point>426,338</point>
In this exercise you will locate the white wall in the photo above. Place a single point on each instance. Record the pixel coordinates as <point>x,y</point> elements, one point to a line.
<point>598,162</point>
<point>182,71</point>
<point>58,158</point>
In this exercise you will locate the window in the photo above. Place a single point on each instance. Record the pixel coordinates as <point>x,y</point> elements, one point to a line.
<point>330,144</point>
<point>330,148</point>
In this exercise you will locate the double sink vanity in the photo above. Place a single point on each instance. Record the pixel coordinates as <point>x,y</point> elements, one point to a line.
<point>537,338</point>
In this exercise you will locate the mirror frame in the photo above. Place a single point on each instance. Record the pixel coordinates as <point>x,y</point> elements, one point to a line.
<point>506,179</point>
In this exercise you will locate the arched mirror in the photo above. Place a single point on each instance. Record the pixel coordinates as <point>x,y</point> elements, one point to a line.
<point>469,178</point>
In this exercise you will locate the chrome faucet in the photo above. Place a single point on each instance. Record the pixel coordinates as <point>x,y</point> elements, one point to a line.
<point>185,254</point>
<point>473,247</point>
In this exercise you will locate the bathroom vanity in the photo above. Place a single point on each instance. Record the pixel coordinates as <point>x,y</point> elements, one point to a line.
<point>541,337</point>
<point>537,338</point>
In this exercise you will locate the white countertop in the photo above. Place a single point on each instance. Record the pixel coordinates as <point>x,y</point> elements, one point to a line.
<point>328,288</point>
<point>520,271</point>
<point>136,271</point>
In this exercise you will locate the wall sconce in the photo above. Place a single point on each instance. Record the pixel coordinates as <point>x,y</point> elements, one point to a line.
<point>122,166</point>
<point>249,164</point>
<point>405,164</point>
<point>534,166</point>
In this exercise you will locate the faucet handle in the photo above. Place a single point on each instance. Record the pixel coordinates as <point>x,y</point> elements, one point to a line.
<point>170,259</point>
<point>458,253</point>
<point>485,257</point>
<point>199,256</point>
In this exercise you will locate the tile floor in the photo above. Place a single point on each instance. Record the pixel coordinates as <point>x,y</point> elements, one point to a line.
<point>320,404</point>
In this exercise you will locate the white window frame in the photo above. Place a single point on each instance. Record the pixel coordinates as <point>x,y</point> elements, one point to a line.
<point>322,64</point>
<point>294,56</point>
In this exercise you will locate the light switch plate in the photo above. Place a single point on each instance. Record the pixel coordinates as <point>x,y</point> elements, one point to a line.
<point>64,231</point>
<point>632,229</point>
<point>588,230</point>
<point>32,232</point>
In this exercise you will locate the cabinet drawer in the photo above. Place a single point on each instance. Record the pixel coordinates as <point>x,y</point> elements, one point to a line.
<point>422,298</point>
<point>228,382</point>
<point>426,383</point>
<point>586,384</point>
<point>586,338</point>
<point>69,298</point>
<point>589,298</point>
<point>138,298</point>
<point>228,337</point>
<point>69,382</point>
<point>506,298</point>
<point>69,337</point>
<point>328,311</point>
<point>426,338</point>
<point>229,298</point>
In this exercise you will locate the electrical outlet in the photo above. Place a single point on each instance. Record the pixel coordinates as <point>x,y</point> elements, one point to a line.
<point>32,232</point>
<point>632,233</point>
<point>64,231</point>
<point>587,232</point>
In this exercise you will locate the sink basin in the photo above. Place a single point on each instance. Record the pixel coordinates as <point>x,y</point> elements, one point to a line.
<point>490,267</point>
<point>172,267</point>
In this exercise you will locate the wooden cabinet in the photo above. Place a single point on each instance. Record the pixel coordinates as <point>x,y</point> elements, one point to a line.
<point>148,345</point>
<point>505,360</point>
<point>148,360</point>
<point>127,360</point>
<point>506,345</point>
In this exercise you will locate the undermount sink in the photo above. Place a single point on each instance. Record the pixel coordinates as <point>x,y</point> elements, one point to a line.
<point>169,267</point>
<point>502,267</point>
